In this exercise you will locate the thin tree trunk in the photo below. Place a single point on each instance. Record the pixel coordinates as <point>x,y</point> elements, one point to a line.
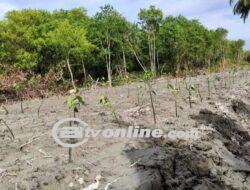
<point>175,103</point>
<point>154,56</point>
<point>84,71</point>
<point>39,108</point>
<point>109,64</point>
<point>21,104</point>
<point>152,101</point>
<point>150,52</point>
<point>137,58</point>
<point>124,62</point>
<point>189,98</point>
<point>157,61</point>
<point>70,71</point>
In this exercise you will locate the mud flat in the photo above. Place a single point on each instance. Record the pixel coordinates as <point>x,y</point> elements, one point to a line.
<point>218,159</point>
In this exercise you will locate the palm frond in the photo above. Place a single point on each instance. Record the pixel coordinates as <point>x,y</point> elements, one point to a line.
<point>241,8</point>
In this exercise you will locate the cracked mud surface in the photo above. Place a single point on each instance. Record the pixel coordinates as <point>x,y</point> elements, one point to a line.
<point>219,159</point>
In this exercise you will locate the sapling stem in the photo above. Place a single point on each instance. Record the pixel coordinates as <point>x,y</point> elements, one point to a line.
<point>189,98</point>
<point>175,91</point>
<point>229,80</point>
<point>139,103</point>
<point>6,110</point>
<point>147,80</point>
<point>128,87</point>
<point>70,155</point>
<point>21,105</point>
<point>9,129</point>
<point>151,100</point>
<point>74,102</point>
<point>199,93</point>
<point>175,104</point>
<point>190,89</point>
<point>39,108</point>
<point>70,148</point>
<point>208,87</point>
<point>106,103</point>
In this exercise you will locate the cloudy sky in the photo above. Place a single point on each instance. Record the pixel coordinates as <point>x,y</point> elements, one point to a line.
<point>212,13</point>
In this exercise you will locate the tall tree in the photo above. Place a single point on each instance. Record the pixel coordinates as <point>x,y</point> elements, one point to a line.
<point>151,20</point>
<point>69,40</point>
<point>108,28</point>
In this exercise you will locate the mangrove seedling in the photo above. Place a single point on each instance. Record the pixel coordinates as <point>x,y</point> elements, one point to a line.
<point>9,129</point>
<point>147,79</point>
<point>39,108</point>
<point>139,96</point>
<point>18,88</point>
<point>209,81</point>
<point>191,89</point>
<point>74,101</point>
<point>199,92</point>
<point>234,72</point>
<point>128,86</point>
<point>106,103</point>
<point>216,79</point>
<point>6,110</point>
<point>175,91</point>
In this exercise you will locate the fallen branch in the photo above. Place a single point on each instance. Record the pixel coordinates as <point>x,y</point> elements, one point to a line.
<point>30,141</point>
<point>4,173</point>
<point>110,183</point>
<point>11,132</point>
<point>134,163</point>
<point>29,163</point>
<point>44,154</point>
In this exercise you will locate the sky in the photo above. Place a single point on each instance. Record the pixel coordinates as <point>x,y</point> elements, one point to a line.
<point>211,13</point>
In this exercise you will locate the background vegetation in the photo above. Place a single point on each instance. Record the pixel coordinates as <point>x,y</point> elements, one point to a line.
<point>36,45</point>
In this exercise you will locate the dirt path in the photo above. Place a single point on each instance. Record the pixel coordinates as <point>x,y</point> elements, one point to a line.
<point>220,159</point>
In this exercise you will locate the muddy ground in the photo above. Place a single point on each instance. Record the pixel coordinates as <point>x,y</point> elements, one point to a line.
<point>218,159</point>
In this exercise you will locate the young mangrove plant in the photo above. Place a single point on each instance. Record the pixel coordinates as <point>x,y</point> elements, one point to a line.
<point>128,85</point>
<point>139,95</point>
<point>74,101</point>
<point>199,92</point>
<point>39,108</point>
<point>234,72</point>
<point>215,80</point>
<point>9,129</point>
<point>231,77</point>
<point>18,88</point>
<point>175,91</point>
<point>191,89</point>
<point>5,109</point>
<point>147,79</point>
<point>209,81</point>
<point>107,104</point>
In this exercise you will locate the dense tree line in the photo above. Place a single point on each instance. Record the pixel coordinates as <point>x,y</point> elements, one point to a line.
<point>107,44</point>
